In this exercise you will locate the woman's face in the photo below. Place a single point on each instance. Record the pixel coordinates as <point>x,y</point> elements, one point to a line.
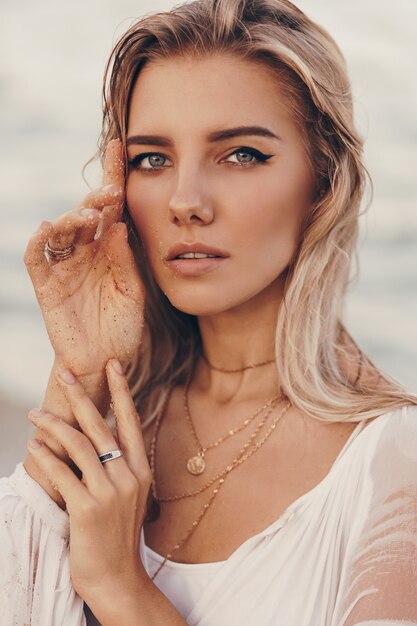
<point>192,187</point>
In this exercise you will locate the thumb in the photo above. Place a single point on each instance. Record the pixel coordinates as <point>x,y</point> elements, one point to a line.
<point>114,179</point>
<point>114,169</point>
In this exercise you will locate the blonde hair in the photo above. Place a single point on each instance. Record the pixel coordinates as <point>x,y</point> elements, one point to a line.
<point>317,360</point>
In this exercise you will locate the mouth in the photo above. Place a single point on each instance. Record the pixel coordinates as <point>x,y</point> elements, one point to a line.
<point>194,259</point>
<point>191,251</point>
<point>197,255</point>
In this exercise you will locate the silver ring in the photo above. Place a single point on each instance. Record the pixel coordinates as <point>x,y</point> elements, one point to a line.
<point>57,255</point>
<point>109,456</point>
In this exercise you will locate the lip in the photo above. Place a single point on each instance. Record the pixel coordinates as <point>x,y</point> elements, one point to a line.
<point>195,267</point>
<point>182,248</point>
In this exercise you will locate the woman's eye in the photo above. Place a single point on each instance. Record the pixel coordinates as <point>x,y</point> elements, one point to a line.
<point>248,156</point>
<point>154,159</point>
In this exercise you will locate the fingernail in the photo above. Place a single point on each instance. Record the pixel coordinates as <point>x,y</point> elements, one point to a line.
<point>112,188</point>
<point>99,230</point>
<point>34,443</point>
<point>43,226</point>
<point>37,413</point>
<point>116,365</point>
<point>66,377</point>
<point>88,212</point>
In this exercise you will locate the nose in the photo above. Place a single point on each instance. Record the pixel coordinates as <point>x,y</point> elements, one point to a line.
<point>189,204</point>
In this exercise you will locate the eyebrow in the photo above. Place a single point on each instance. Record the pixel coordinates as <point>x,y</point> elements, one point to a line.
<point>217,135</point>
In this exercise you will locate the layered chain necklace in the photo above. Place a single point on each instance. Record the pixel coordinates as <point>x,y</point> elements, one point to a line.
<point>248,449</point>
<point>196,464</point>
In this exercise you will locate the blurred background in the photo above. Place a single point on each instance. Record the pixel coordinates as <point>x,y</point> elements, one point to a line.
<point>52,58</point>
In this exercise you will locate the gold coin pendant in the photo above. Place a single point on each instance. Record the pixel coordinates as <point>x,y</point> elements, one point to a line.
<point>196,465</point>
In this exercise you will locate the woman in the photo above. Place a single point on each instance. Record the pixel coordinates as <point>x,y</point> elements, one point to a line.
<point>272,476</point>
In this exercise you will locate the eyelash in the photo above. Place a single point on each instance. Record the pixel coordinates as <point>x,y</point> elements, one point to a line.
<point>259,156</point>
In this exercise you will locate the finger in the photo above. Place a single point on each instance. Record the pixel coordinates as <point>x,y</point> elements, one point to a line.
<point>113,186</point>
<point>78,447</point>
<point>128,424</point>
<point>124,268</point>
<point>34,258</point>
<point>114,174</point>
<point>108,217</point>
<point>61,477</point>
<point>108,195</point>
<point>109,200</point>
<point>88,228</point>
<point>92,424</point>
<point>114,169</point>
<point>74,227</point>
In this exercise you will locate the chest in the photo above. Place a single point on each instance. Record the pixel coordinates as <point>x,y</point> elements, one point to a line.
<point>293,459</point>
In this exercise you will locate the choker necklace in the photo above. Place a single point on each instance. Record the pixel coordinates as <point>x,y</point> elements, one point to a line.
<point>239,369</point>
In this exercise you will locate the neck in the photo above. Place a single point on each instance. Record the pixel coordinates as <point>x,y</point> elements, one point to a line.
<point>234,340</point>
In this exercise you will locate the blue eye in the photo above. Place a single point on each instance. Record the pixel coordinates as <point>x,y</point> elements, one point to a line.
<point>156,159</point>
<point>152,156</point>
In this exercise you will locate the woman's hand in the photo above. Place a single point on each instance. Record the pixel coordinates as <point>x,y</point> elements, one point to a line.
<point>92,302</point>
<point>107,507</point>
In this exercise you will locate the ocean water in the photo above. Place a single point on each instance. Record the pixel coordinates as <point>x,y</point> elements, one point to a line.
<point>52,57</point>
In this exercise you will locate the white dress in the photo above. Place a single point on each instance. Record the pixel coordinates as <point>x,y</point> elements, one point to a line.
<point>343,554</point>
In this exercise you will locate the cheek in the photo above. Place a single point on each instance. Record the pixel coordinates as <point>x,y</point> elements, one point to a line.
<point>270,222</point>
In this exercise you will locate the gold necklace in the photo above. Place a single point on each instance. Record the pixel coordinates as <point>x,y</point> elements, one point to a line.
<point>239,369</point>
<point>197,464</point>
<point>229,468</point>
<point>243,456</point>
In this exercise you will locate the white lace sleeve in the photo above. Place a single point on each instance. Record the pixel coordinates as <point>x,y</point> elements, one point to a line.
<point>379,583</point>
<point>35,582</point>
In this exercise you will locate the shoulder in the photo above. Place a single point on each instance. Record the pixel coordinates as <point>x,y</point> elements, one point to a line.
<point>390,447</point>
<point>395,425</point>
<point>399,428</point>
<point>384,446</point>
<point>379,471</point>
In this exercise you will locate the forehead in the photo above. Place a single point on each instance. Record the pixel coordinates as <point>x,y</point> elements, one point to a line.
<point>202,93</point>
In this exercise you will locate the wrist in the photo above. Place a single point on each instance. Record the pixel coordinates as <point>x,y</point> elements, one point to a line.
<point>94,383</point>
<point>129,606</point>
<point>139,603</point>
<point>90,377</point>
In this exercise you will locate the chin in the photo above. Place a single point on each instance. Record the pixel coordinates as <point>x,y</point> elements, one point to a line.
<point>198,306</point>
<point>204,301</point>
<point>214,295</point>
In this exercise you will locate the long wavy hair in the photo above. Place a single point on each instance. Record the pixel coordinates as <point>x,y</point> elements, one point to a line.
<point>320,367</point>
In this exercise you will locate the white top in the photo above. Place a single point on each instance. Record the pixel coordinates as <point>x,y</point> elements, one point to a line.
<point>182,583</point>
<point>343,554</point>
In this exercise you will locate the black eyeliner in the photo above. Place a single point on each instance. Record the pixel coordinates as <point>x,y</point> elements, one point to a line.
<point>260,156</point>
